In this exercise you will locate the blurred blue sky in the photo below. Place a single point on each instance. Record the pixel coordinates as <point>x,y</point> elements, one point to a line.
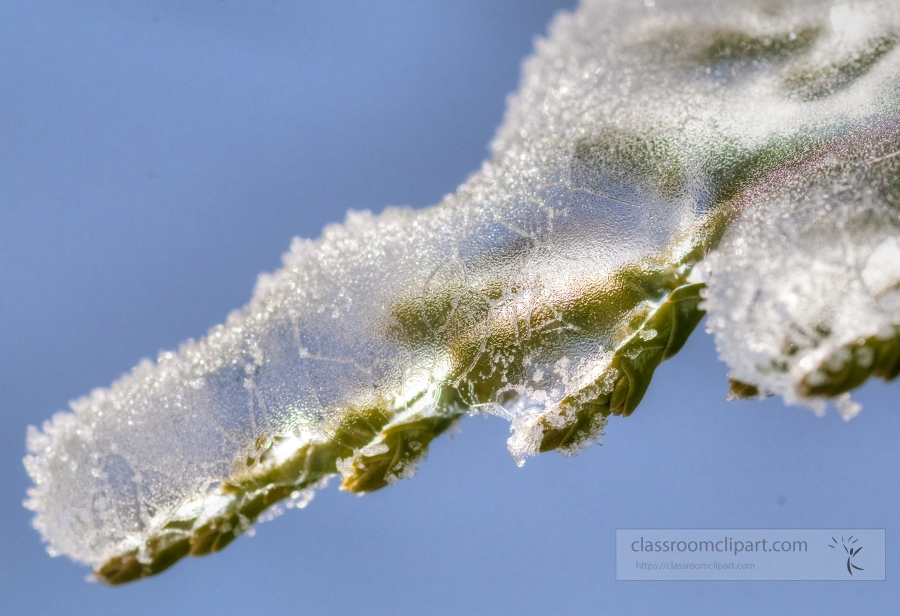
<point>156,156</point>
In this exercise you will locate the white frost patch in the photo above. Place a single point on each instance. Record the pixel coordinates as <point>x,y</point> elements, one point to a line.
<point>811,268</point>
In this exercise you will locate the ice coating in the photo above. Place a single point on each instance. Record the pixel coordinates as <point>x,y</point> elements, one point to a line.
<point>804,297</point>
<point>546,290</point>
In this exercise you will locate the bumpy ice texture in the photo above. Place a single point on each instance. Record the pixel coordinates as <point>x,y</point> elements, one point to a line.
<point>546,290</point>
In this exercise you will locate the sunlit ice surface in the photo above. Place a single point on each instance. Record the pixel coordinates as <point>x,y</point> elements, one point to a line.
<point>660,160</point>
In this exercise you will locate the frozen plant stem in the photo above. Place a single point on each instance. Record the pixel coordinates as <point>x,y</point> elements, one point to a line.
<point>658,163</point>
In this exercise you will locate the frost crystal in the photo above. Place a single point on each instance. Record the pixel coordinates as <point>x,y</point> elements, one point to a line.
<point>546,290</point>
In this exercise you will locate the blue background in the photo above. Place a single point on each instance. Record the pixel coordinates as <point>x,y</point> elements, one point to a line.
<point>156,156</point>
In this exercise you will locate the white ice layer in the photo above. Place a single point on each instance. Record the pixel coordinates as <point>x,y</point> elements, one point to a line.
<point>633,123</point>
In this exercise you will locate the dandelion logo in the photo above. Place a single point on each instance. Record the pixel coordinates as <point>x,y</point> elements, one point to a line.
<point>851,551</point>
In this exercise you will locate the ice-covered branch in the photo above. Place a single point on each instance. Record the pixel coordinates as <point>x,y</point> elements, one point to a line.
<point>659,161</point>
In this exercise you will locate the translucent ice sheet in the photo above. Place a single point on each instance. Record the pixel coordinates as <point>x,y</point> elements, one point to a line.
<point>546,290</point>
